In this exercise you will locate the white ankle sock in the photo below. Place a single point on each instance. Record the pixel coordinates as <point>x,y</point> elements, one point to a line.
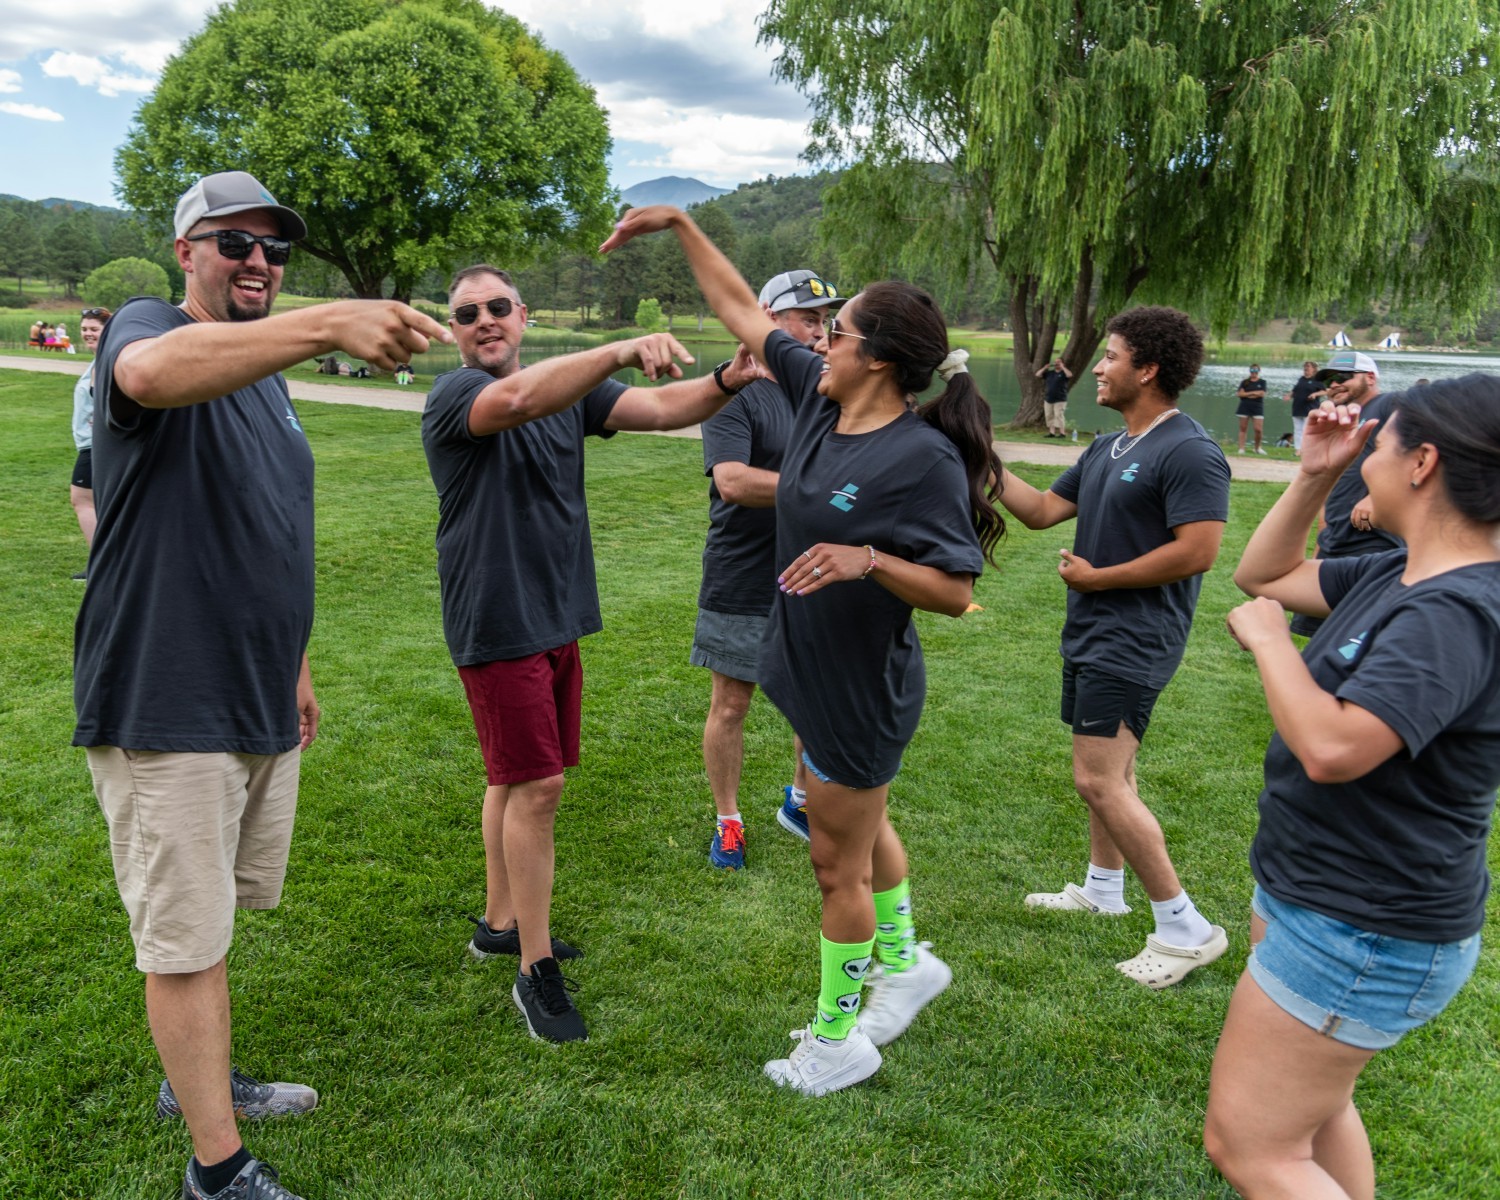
<point>798,795</point>
<point>734,816</point>
<point>1179,923</point>
<point>1105,887</point>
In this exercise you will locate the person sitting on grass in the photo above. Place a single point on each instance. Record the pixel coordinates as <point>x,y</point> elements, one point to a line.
<point>889,502</point>
<point>1379,783</point>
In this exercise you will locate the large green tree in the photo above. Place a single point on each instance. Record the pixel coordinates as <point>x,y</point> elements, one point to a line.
<point>73,249</point>
<point>408,133</point>
<point>1231,159</point>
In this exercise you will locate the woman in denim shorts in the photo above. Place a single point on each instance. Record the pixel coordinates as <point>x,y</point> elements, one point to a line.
<point>1380,783</point>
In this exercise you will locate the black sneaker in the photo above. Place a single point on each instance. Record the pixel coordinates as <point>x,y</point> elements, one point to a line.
<point>252,1099</point>
<point>82,577</point>
<point>543,1000</point>
<point>256,1181</point>
<point>487,942</point>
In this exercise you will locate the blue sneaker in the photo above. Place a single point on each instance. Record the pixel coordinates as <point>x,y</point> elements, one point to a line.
<point>792,816</point>
<point>727,850</point>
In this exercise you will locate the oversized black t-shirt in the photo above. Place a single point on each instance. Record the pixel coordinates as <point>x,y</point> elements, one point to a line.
<point>1338,538</point>
<point>844,663</point>
<point>739,556</point>
<point>1400,851</point>
<point>200,596</point>
<point>514,556</point>
<point>1057,386</point>
<point>1131,494</point>
<point>1302,392</point>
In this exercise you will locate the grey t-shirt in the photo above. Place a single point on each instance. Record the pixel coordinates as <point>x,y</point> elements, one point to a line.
<point>200,596</point>
<point>1400,851</point>
<point>514,556</point>
<point>844,664</point>
<point>1338,538</point>
<point>1130,496</point>
<point>739,555</point>
<point>83,409</point>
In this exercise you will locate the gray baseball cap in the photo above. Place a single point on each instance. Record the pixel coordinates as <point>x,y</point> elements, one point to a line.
<point>1347,362</point>
<point>229,192</point>
<point>799,289</point>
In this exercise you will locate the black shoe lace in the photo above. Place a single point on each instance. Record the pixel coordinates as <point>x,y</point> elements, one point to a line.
<point>243,1088</point>
<point>552,994</point>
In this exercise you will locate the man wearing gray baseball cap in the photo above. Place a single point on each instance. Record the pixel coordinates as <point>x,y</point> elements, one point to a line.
<point>191,678</point>
<point>743,444</point>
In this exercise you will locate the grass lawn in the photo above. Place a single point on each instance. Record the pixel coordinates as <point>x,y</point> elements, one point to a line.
<point>1039,1074</point>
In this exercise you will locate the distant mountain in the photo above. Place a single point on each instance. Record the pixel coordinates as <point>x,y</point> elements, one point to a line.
<point>75,205</point>
<point>670,189</point>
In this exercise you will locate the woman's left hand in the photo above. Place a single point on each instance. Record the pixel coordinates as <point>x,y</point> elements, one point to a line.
<point>818,566</point>
<point>1257,622</point>
<point>653,218</point>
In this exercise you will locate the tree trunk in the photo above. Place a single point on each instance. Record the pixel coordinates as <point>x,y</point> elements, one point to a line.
<point>1034,322</point>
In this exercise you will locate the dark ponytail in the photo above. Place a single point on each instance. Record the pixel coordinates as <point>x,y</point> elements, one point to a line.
<point>903,326</point>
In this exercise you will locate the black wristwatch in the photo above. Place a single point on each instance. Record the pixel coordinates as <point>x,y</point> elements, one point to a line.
<point>719,378</point>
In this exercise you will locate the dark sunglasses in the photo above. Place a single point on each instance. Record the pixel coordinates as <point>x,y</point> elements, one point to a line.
<point>1339,377</point>
<point>98,314</point>
<point>835,332</point>
<point>499,307</point>
<point>238,245</point>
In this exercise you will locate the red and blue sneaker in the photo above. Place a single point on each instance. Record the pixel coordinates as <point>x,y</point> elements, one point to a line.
<point>727,850</point>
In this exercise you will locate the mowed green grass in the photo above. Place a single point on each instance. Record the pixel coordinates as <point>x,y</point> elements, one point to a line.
<point>1040,1073</point>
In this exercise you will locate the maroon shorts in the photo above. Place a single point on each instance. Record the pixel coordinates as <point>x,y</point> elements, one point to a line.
<point>527,712</point>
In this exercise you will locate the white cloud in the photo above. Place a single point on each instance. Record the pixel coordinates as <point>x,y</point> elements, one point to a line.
<point>113,30</point>
<point>34,111</point>
<point>88,71</point>
<point>10,81</point>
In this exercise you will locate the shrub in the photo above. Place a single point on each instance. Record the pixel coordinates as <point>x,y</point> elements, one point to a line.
<point>648,316</point>
<point>1306,334</point>
<point>115,282</point>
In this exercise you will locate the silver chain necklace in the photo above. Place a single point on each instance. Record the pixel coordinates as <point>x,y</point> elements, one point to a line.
<point>1121,446</point>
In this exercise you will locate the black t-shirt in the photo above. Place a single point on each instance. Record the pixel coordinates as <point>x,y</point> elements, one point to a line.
<point>844,664</point>
<point>514,556</point>
<point>739,557</point>
<point>1400,851</point>
<point>200,596</point>
<point>1302,401</point>
<point>1057,386</point>
<point>1130,496</point>
<point>1338,538</point>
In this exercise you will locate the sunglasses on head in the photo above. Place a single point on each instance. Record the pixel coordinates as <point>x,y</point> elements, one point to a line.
<point>94,313</point>
<point>238,245</point>
<point>809,291</point>
<point>835,332</point>
<point>499,307</point>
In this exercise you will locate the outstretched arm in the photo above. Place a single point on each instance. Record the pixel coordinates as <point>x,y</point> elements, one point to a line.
<point>726,292</point>
<point>1036,509</point>
<point>678,405</point>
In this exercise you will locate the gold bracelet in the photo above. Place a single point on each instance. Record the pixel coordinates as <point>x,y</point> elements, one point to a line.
<point>871,567</point>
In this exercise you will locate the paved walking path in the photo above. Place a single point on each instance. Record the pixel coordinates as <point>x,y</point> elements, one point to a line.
<point>1060,454</point>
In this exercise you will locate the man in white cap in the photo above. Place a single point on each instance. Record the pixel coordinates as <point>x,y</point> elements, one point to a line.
<point>1345,529</point>
<point>742,450</point>
<point>191,677</point>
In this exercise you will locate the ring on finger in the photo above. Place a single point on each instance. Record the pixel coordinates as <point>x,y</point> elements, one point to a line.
<point>807,554</point>
<point>817,572</point>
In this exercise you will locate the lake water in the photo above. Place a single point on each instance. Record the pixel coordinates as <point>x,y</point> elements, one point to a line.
<point>1211,400</point>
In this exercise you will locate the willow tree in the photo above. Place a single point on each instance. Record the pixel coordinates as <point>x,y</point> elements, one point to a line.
<point>1231,159</point>
<point>407,132</point>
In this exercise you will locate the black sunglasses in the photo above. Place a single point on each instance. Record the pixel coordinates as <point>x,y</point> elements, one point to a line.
<point>238,245</point>
<point>94,313</point>
<point>1339,377</point>
<point>499,307</point>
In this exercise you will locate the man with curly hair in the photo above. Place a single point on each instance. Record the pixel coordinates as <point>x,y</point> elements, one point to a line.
<point>1151,503</point>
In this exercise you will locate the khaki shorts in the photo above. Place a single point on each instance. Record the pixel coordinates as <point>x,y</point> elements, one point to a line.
<point>193,836</point>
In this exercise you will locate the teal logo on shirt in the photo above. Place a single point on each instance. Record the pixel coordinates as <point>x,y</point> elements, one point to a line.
<point>844,498</point>
<point>291,416</point>
<point>1128,474</point>
<point>1350,648</point>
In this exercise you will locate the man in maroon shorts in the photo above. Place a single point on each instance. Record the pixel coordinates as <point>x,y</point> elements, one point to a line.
<point>516,565</point>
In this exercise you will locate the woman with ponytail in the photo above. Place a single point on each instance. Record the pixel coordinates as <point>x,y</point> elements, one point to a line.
<point>882,507</point>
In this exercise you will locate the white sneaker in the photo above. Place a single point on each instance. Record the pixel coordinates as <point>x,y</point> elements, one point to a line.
<point>895,1000</point>
<point>820,1065</point>
<point>1072,899</point>
<point>1258,450</point>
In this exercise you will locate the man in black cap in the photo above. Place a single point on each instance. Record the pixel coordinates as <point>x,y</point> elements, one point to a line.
<point>742,449</point>
<point>191,678</point>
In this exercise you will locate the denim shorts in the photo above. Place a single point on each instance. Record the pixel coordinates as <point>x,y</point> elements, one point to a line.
<point>1364,989</point>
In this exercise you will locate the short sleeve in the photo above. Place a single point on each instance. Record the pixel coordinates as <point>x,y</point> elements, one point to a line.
<point>1068,484</point>
<point>796,367</point>
<point>1425,667</point>
<point>1337,577</point>
<point>1195,483</point>
<point>446,417</point>
<point>137,320</point>
<point>597,404</point>
<point>727,435</point>
<point>936,526</point>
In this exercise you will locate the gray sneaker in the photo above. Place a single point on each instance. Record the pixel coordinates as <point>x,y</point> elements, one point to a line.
<point>256,1181</point>
<point>252,1099</point>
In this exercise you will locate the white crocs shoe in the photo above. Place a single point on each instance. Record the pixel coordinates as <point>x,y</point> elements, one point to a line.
<point>820,1065</point>
<point>1160,965</point>
<point>1072,899</point>
<point>896,999</point>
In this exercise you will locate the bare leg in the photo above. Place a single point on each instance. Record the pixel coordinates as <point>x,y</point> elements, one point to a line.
<point>724,740</point>
<point>82,500</point>
<point>844,823</point>
<point>530,813</point>
<point>1244,424</point>
<point>799,769</point>
<point>1260,426</point>
<point>189,1018</point>
<point>890,866</point>
<point>1121,827</point>
<point>499,910</point>
<point>1281,1119</point>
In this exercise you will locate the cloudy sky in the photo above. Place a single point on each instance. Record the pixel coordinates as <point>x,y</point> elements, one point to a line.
<point>688,90</point>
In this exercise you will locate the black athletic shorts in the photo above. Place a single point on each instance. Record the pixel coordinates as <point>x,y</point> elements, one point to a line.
<point>1251,408</point>
<point>1096,703</point>
<point>83,470</point>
